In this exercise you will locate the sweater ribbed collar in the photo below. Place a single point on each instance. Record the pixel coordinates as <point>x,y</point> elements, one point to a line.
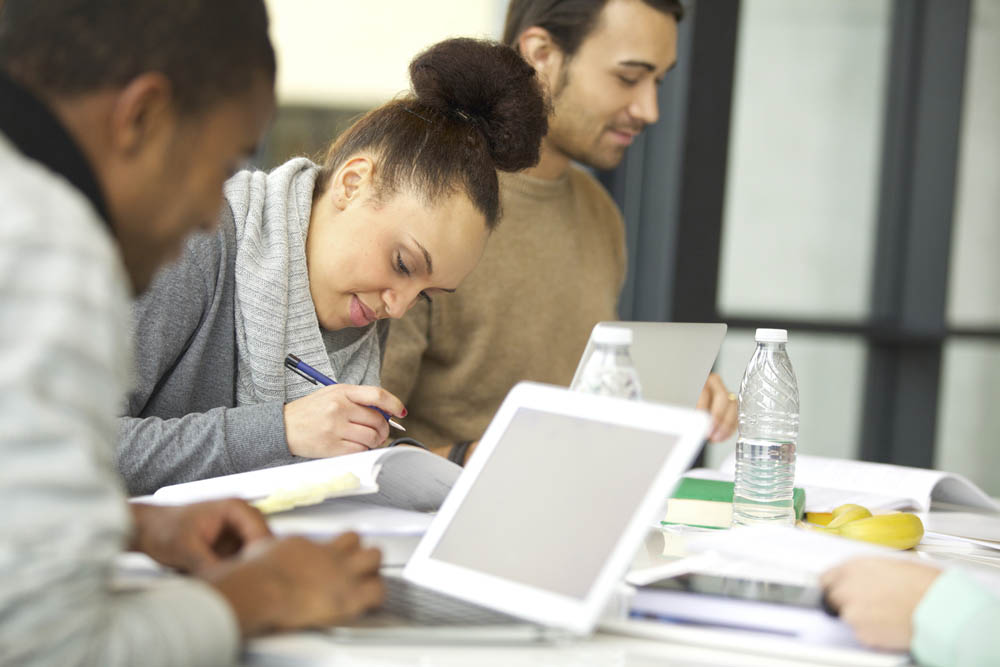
<point>37,133</point>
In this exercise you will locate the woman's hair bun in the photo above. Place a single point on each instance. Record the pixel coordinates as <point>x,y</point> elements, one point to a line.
<point>491,86</point>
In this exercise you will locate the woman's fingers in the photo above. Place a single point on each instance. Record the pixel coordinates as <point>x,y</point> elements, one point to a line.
<point>336,417</point>
<point>366,436</point>
<point>376,397</point>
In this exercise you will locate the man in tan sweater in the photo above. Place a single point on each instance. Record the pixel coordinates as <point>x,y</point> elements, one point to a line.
<point>556,264</point>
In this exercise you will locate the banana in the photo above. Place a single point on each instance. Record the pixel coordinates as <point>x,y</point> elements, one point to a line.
<point>819,518</point>
<point>847,513</point>
<point>898,530</point>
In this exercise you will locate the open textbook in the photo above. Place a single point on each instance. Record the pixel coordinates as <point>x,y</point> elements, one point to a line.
<point>406,478</point>
<point>878,486</point>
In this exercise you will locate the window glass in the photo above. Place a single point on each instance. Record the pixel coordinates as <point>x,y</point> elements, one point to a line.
<point>968,429</point>
<point>974,285</point>
<point>805,145</point>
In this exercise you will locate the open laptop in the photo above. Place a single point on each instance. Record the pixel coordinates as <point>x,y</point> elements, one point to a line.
<point>673,358</point>
<point>542,524</point>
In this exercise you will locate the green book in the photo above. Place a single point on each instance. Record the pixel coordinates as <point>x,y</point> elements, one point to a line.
<point>708,503</point>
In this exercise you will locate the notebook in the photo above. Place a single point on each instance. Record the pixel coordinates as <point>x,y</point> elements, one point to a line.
<point>673,358</point>
<point>542,524</point>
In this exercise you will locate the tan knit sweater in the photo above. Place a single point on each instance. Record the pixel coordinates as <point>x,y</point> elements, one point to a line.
<point>551,270</point>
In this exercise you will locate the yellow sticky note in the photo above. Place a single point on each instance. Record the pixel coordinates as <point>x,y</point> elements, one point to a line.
<point>307,494</point>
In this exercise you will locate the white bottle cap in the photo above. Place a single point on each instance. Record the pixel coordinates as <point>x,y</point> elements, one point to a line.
<point>611,335</point>
<point>772,336</point>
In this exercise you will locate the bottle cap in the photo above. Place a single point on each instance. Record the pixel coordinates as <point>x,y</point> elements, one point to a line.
<point>772,336</point>
<point>611,335</point>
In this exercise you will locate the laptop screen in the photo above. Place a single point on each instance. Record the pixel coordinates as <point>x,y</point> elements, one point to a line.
<point>553,500</point>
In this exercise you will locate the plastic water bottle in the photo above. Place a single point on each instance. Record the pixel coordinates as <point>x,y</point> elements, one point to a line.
<point>610,371</point>
<point>769,428</point>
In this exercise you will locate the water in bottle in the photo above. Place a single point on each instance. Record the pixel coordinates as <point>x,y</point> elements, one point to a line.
<point>768,430</point>
<point>609,371</point>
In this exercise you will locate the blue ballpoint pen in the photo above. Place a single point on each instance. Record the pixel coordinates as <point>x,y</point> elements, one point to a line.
<point>296,365</point>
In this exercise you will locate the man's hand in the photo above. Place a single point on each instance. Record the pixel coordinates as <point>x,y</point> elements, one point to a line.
<point>297,583</point>
<point>721,405</point>
<point>338,419</point>
<point>194,537</point>
<point>877,598</point>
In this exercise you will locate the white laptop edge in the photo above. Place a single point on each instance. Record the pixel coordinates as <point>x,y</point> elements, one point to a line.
<point>545,607</point>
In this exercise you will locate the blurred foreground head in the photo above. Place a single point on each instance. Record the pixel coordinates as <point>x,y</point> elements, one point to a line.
<point>166,100</point>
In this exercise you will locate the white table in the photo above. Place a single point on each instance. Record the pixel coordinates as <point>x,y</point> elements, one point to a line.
<point>688,646</point>
<point>600,650</point>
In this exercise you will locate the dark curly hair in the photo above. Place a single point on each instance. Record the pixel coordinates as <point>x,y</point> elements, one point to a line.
<point>568,21</point>
<point>208,49</point>
<point>476,107</point>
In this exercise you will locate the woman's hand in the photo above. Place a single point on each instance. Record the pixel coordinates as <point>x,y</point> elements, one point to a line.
<point>721,405</point>
<point>877,598</point>
<point>194,537</point>
<point>339,419</point>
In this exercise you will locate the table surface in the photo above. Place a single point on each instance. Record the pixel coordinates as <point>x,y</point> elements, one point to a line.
<point>675,644</point>
<point>599,650</point>
<point>688,645</point>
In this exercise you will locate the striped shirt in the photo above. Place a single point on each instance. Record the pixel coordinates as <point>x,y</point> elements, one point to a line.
<point>65,355</point>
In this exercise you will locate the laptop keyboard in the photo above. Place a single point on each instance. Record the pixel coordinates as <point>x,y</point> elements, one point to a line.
<point>427,607</point>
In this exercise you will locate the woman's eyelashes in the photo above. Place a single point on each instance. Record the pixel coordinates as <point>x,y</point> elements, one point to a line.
<point>402,268</point>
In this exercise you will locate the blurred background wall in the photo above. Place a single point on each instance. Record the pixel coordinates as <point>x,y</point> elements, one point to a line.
<point>828,167</point>
<point>337,60</point>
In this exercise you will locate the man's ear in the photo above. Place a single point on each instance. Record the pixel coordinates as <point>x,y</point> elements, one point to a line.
<point>141,110</point>
<point>541,52</point>
<point>352,182</point>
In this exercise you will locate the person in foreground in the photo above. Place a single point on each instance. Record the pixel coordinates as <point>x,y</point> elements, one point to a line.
<point>946,618</point>
<point>307,259</point>
<point>556,264</point>
<point>119,124</point>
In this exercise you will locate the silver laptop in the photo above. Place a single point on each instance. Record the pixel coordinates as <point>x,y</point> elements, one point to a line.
<point>539,529</point>
<point>673,358</point>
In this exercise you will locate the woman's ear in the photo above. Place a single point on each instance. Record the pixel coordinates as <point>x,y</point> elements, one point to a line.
<point>353,182</point>
<point>541,52</point>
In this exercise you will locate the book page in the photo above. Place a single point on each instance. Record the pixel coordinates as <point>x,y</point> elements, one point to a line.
<point>785,549</point>
<point>830,482</point>
<point>971,525</point>
<point>818,498</point>
<point>823,499</point>
<point>414,479</point>
<point>954,489</point>
<point>408,478</point>
<point>340,515</point>
<point>257,484</point>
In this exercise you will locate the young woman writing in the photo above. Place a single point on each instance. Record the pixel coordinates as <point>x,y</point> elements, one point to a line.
<point>307,259</point>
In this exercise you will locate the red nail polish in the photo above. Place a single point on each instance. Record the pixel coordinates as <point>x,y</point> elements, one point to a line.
<point>404,412</point>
